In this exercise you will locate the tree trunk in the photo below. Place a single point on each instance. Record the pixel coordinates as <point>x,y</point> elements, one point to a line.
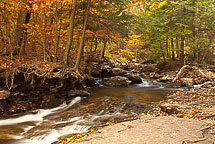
<point>57,31</point>
<point>24,39</point>
<point>91,45</point>
<point>103,50</point>
<point>163,53</point>
<point>70,37</point>
<point>81,45</point>
<point>20,31</point>
<point>167,48</point>
<point>96,44</point>
<point>182,49</point>
<point>177,47</point>
<point>183,10</point>
<point>173,49</point>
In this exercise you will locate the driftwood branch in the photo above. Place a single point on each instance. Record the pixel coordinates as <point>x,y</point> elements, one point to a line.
<point>180,72</point>
<point>192,67</point>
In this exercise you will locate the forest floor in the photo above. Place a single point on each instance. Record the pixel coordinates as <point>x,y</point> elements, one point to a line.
<point>27,62</point>
<point>185,118</point>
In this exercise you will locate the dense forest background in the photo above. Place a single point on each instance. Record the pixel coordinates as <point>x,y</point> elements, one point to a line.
<point>65,31</point>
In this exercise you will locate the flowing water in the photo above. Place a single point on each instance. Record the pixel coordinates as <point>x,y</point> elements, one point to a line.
<point>105,104</point>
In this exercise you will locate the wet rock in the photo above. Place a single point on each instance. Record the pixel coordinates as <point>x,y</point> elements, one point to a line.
<point>4,94</point>
<point>187,81</point>
<point>116,81</point>
<point>134,78</point>
<point>118,72</point>
<point>74,93</point>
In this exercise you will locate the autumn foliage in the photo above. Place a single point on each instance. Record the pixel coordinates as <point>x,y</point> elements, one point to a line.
<point>120,29</point>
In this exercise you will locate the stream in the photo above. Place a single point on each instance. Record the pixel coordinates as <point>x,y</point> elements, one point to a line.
<point>105,104</point>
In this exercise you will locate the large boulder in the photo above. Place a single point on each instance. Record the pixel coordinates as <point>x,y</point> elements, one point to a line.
<point>134,78</point>
<point>118,72</point>
<point>116,81</point>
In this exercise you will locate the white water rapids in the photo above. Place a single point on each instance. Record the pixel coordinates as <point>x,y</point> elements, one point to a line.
<point>52,134</point>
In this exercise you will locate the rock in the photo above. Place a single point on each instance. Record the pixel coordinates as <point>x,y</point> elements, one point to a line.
<point>149,68</point>
<point>154,75</point>
<point>148,62</point>
<point>73,93</point>
<point>106,71</point>
<point>173,108</point>
<point>187,81</point>
<point>13,110</point>
<point>95,71</point>
<point>4,94</point>
<point>118,72</point>
<point>165,78</point>
<point>89,81</point>
<point>116,81</point>
<point>134,78</point>
<point>200,80</point>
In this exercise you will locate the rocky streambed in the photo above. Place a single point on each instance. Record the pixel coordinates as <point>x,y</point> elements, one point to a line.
<point>44,94</point>
<point>31,88</point>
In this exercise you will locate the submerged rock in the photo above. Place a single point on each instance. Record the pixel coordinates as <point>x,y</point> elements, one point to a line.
<point>116,81</point>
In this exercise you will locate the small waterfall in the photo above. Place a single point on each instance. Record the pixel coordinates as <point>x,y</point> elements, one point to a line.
<point>49,135</point>
<point>39,116</point>
<point>146,83</point>
<point>53,135</point>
